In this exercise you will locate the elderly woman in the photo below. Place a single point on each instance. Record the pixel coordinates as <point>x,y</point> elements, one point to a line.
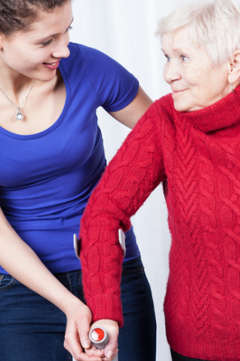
<point>189,140</point>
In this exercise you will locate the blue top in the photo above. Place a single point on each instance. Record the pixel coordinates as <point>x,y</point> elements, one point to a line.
<point>46,178</point>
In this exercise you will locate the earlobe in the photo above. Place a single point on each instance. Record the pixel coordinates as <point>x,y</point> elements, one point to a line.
<point>231,74</point>
<point>1,42</point>
<point>234,68</point>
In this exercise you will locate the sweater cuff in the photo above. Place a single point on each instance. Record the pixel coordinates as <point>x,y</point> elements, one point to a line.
<point>106,307</point>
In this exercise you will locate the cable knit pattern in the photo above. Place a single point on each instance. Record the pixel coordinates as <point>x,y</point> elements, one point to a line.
<point>197,156</point>
<point>99,231</point>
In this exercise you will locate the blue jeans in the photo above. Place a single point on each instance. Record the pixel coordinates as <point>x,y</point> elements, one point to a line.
<point>32,329</point>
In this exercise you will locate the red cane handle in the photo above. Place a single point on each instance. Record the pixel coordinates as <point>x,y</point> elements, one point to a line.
<point>99,338</point>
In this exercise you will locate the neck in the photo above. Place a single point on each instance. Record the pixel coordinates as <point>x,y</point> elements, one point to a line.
<point>16,84</point>
<point>11,81</point>
<point>225,113</point>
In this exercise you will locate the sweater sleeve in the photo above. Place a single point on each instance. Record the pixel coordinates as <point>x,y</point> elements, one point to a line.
<point>128,180</point>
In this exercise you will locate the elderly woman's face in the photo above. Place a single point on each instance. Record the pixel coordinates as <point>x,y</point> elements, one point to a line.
<point>195,81</point>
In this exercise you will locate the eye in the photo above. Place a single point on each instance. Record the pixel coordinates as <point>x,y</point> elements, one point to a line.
<point>167,57</point>
<point>46,43</point>
<point>183,57</point>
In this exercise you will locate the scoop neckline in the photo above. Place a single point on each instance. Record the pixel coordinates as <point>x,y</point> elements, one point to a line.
<point>57,122</point>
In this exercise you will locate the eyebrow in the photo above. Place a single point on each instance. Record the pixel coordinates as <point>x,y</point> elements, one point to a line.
<point>177,50</point>
<point>52,35</point>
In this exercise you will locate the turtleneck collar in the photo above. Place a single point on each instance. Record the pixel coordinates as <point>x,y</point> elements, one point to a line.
<point>222,114</point>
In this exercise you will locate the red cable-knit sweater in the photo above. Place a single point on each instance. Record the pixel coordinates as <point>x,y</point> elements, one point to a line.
<point>197,156</point>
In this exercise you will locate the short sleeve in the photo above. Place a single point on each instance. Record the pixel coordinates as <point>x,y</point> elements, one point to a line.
<point>100,78</point>
<point>115,86</point>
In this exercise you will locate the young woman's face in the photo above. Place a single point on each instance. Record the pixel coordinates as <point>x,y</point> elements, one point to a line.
<point>36,53</point>
<point>196,82</point>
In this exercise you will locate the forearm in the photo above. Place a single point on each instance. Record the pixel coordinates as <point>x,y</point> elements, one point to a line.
<point>19,260</point>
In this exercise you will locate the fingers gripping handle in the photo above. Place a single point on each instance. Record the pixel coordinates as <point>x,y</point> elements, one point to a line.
<point>99,338</point>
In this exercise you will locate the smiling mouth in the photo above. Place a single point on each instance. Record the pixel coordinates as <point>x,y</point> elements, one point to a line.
<point>52,66</point>
<point>178,91</point>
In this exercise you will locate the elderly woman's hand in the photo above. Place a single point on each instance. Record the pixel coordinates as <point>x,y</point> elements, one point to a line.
<point>112,329</point>
<point>76,336</point>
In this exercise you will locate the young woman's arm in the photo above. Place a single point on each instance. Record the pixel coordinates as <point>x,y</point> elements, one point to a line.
<point>19,260</point>
<point>133,111</point>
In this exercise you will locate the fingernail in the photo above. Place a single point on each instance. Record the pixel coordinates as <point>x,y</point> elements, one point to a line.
<point>109,354</point>
<point>85,344</point>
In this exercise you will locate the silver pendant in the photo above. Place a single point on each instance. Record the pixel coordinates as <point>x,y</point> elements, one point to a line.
<point>19,115</point>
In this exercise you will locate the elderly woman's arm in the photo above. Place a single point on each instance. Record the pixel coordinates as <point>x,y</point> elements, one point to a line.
<point>130,177</point>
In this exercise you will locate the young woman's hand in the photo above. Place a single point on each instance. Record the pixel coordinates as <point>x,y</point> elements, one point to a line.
<point>112,328</point>
<point>76,336</point>
<point>43,282</point>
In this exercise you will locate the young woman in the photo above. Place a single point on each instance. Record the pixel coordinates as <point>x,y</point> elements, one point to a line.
<point>189,140</point>
<point>51,156</point>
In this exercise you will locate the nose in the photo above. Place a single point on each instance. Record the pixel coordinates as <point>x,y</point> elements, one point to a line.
<point>61,49</point>
<point>171,72</point>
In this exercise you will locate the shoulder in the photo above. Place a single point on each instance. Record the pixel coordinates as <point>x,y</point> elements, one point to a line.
<point>90,68</point>
<point>161,108</point>
<point>164,105</point>
<point>159,115</point>
<point>90,58</point>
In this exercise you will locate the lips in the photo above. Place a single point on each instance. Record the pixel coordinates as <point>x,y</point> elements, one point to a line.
<point>52,66</point>
<point>176,93</point>
<point>178,90</point>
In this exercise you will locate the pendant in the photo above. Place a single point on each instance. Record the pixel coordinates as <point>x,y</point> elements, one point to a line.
<point>19,115</point>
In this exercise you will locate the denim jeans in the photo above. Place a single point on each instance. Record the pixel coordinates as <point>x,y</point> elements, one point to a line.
<point>177,357</point>
<point>32,329</point>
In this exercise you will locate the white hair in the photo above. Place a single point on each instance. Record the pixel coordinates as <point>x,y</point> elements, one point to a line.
<point>214,24</point>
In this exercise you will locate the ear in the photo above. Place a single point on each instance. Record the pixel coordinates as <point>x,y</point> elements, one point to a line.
<point>2,37</point>
<point>234,68</point>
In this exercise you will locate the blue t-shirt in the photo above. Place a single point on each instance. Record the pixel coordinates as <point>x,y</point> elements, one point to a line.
<point>46,178</point>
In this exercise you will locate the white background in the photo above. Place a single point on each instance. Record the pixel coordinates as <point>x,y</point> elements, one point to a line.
<point>125,30</point>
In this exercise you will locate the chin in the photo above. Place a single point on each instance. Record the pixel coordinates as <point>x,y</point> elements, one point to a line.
<point>45,77</point>
<point>181,107</point>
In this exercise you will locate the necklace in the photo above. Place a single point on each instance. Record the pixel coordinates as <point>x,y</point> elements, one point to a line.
<point>19,108</point>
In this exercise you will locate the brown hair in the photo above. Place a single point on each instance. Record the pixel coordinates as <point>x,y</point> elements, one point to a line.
<point>19,14</point>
